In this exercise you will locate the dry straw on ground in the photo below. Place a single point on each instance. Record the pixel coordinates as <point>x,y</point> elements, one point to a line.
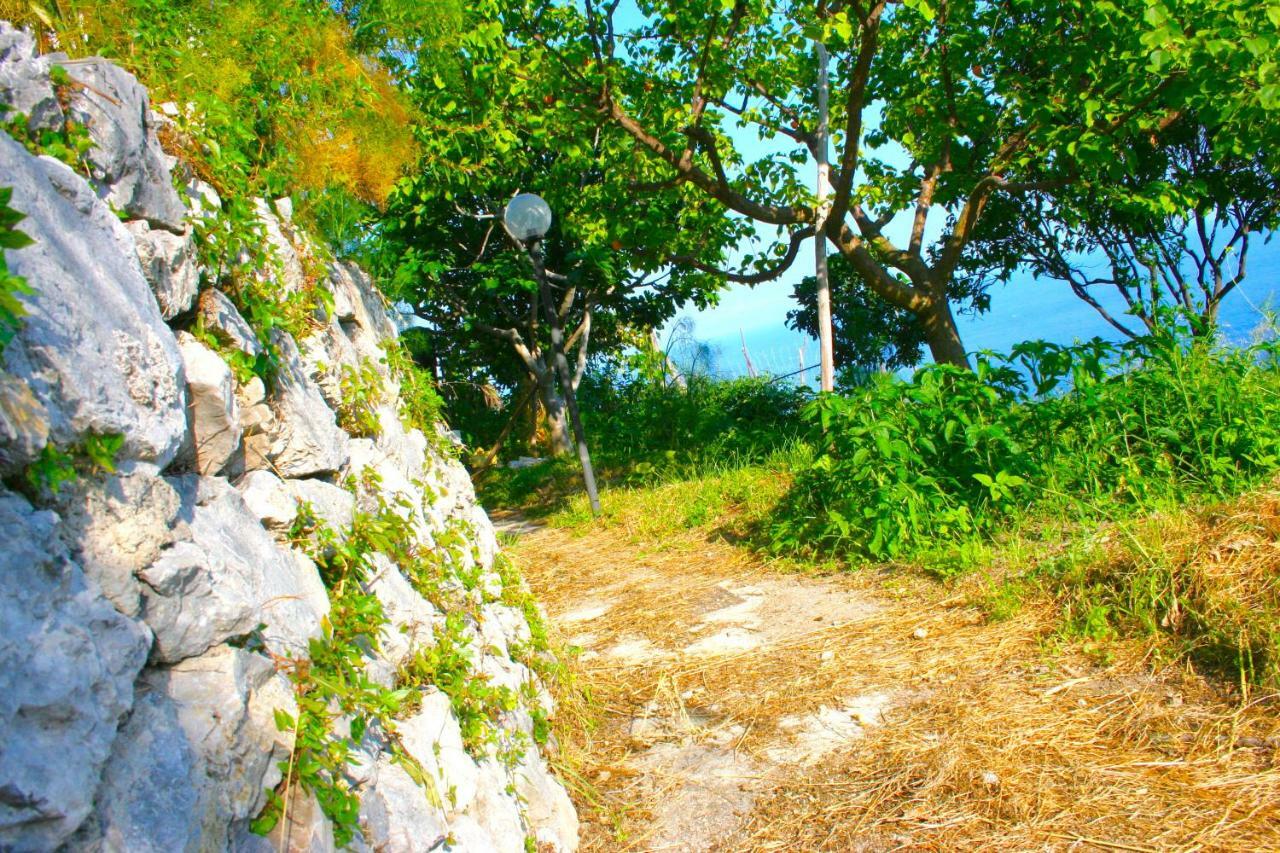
<point>989,735</point>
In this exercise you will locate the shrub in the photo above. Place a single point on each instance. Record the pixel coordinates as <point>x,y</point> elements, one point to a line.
<point>904,466</point>
<point>632,418</point>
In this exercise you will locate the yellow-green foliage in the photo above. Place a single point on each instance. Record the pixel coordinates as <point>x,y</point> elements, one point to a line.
<point>276,91</point>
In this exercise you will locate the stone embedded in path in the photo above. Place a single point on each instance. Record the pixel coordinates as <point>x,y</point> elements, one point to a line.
<point>726,642</point>
<point>812,736</point>
<point>634,650</point>
<point>585,612</point>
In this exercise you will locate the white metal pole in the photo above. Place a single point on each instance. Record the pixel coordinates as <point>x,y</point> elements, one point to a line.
<point>827,358</point>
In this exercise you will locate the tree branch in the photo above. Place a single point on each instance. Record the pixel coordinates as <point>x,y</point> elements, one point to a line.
<point>782,266</point>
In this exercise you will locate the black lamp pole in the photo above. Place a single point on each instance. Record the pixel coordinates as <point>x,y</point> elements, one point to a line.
<point>534,250</point>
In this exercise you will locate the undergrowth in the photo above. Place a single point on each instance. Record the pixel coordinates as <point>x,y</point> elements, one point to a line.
<point>910,469</point>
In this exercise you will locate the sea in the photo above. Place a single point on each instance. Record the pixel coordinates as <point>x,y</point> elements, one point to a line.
<point>1021,310</point>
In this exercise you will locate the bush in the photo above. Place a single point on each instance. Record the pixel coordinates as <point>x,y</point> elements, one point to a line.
<point>632,419</point>
<point>905,467</point>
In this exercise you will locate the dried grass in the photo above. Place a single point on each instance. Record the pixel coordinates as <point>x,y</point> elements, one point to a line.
<point>1000,736</point>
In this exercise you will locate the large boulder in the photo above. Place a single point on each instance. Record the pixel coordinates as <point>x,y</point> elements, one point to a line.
<point>25,86</point>
<point>224,577</point>
<point>304,439</point>
<point>116,526</point>
<point>191,767</point>
<point>169,265</point>
<point>68,661</point>
<point>126,159</point>
<point>215,414</point>
<point>93,348</point>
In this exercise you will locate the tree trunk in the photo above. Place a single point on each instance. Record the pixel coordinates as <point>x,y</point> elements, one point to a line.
<point>556,416</point>
<point>941,333</point>
<point>566,378</point>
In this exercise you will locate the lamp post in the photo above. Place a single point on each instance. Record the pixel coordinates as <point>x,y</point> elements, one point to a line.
<point>527,218</point>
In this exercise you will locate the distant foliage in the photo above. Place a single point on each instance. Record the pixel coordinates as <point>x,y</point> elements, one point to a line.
<point>905,468</point>
<point>642,418</point>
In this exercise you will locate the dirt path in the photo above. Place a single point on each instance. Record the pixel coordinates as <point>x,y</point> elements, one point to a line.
<point>740,708</point>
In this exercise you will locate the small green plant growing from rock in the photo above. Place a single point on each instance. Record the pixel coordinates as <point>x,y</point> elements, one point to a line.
<point>362,392</point>
<point>11,286</point>
<point>55,467</point>
<point>69,143</point>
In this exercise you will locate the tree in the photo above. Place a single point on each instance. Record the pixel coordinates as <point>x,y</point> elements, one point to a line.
<point>495,126</point>
<point>939,107</point>
<point>1176,235</point>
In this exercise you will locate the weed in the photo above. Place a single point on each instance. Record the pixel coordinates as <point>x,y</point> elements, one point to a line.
<point>362,393</point>
<point>11,286</point>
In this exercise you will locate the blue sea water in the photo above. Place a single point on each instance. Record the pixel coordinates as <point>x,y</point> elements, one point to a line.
<point>1021,310</point>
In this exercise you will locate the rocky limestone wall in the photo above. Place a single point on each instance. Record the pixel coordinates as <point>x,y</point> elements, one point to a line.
<point>159,608</point>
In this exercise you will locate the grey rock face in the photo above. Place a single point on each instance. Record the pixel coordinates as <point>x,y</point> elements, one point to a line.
<point>256,417</point>
<point>497,810</point>
<point>333,505</point>
<point>548,808</point>
<point>411,619</point>
<point>395,812</point>
<point>223,319</point>
<point>193,762</point>
<point>67,665</point>
<point>269,499</point>
<point>401,494</point>
<point>305,830</point>
<point>94,349</point>
<point>325,354</point>
<point>169,265</point>
<point>215,415</point>
<point>467,836</point>
<point>434,740</point>
<point>126,158</point>
<point>117,526</point>
<point>223,577</point>
<point>289,273</point>
<point>24,424</point>
<point>304,438</point>
<point>24,79</point>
